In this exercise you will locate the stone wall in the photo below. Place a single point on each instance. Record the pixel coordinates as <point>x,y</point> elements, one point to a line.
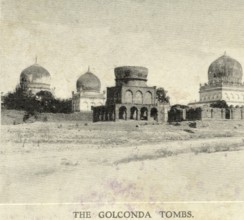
<point>193,114</point>
<point>104,113</point>
<point>176,114</point>
<point>206,113</point>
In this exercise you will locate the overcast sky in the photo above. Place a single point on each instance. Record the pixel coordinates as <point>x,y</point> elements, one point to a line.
<point>175,39</point>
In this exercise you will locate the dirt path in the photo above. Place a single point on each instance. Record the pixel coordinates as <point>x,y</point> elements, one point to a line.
<point>205,169</point>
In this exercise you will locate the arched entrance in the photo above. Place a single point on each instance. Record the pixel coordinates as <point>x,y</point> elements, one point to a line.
<point>106,115</point>
<point>123,113</point>
<point>134,113</point>
<point>227,113</point>
<point>144,113</point>
<point>110,115</point>
<point>154,113</point>
<point>212,113</point>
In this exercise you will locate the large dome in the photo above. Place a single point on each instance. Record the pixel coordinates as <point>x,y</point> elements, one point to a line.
<point>225,69</point>
<point>35,74</point>
<point>88,82</point>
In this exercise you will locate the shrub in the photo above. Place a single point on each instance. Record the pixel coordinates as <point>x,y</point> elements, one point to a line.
<point>219,104</point>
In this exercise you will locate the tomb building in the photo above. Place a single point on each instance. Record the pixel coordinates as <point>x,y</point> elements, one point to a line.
<point>35,78</point>
<point>131,98</point>
<point>224,83</point>
<point>88,93</point>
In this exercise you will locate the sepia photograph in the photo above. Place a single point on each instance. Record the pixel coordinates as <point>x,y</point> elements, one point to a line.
<point>122,109</point>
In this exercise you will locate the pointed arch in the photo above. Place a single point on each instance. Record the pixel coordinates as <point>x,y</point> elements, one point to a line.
<point>128,96</point>
<point>148,98</point>
<point>138,97</point>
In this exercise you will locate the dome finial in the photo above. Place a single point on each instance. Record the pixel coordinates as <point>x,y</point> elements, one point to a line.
<point>36,59</point>
<point>225,53</point>
<point>88,68</point>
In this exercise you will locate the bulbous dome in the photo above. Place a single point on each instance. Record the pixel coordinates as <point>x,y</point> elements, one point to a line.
<point>35,74</point>
<point>88,82</point>
<point>225,69</point>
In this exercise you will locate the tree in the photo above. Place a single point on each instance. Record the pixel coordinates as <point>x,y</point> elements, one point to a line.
<point>161,95</point>
<point>20,99</point>
<point>43,101</point>
<point>44,95</point>
<point>219,104</point>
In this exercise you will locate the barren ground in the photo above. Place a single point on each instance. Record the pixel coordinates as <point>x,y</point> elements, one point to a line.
<point>105,162</point>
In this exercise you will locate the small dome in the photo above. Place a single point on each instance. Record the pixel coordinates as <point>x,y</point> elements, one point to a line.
<point>35,74</point>
<point>88,82</point>
<point>225,68</point>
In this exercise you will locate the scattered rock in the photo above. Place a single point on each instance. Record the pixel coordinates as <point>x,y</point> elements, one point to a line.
<point>177,124</point>
<point>193,124</point>
<point>189,131</point>
<point>69,163</point>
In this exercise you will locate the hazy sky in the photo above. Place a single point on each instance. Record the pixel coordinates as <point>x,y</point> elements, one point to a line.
<point>175,39</point>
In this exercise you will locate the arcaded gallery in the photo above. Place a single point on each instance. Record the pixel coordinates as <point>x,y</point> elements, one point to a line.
<point>130,98</point>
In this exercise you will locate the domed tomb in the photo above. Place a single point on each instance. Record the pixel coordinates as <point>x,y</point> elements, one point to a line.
<point>225,69</point>
<point>88,82</point>
<point>88,93</point>
<point>224,83</point>
<point>131,75</point>
<point>35,78</point>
